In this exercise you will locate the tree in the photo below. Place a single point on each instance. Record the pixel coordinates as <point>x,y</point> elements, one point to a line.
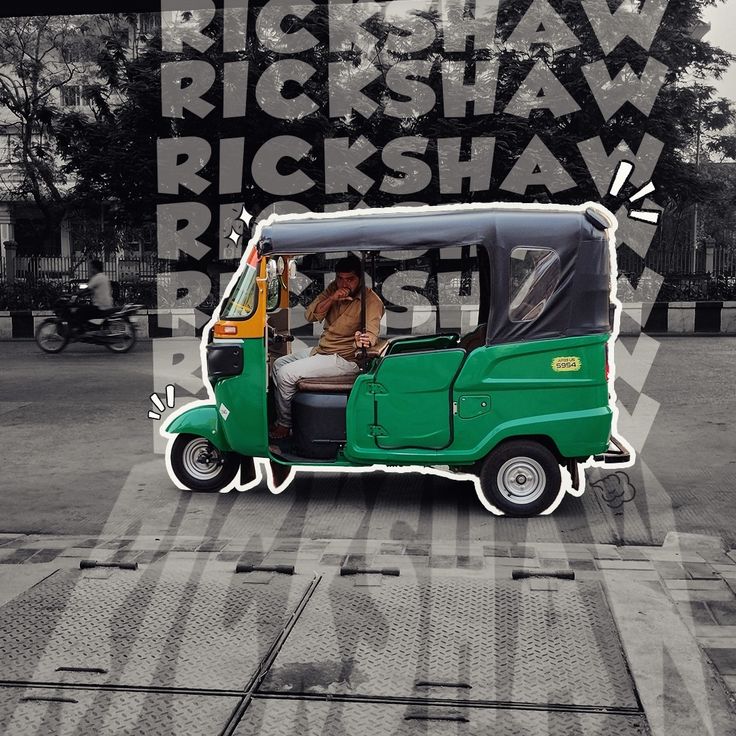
<point>111,153</point>
<point>115,153</point>
<point>42,56</point>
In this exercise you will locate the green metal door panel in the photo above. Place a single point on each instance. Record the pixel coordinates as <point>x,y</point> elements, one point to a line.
<point>527,397</point>
<point>554,387</point>
<point>360,417</point>
<point>413,403</point>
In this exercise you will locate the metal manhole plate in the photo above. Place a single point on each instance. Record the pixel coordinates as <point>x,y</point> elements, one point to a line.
<point>473,640</point>
<point>274,717</point>
<point>162,630</point>
<point>70,712</point>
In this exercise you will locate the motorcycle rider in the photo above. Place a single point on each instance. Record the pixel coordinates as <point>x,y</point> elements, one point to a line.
<point>102,303</point>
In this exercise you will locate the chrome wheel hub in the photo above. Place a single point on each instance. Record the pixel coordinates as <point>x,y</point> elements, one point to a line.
<point>201,459</point>
<point>521,480</point>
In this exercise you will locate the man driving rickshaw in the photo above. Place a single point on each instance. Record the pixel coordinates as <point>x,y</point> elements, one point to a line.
<point>339,308</point>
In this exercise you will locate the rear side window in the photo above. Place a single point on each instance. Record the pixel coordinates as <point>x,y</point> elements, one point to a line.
<point>534,275</point>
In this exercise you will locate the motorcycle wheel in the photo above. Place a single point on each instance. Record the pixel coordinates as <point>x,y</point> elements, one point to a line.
<point>121,335</point>
<point>51,335</point>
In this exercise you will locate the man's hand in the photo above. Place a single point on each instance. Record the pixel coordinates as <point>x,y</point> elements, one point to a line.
<point>362,340</point>
<point>342,295</point>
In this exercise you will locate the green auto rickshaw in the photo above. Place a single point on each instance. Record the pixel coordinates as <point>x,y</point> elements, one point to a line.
<point>520,402</point>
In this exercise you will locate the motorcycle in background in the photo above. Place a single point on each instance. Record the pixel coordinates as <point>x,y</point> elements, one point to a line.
<point>115,330</point>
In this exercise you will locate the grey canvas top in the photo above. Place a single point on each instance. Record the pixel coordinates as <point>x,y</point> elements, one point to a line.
<point>579,304</point>
<point>431,227</point>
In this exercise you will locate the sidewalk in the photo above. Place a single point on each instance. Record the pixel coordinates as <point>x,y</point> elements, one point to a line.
<point>366,637</point>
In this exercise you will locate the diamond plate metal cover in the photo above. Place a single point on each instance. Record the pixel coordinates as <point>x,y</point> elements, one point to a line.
<point>309,718</point>
<point>459,639</point>
<point>69,712</point>
<point>162,629</point>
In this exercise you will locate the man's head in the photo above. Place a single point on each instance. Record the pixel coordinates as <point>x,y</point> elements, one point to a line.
<point>96,266</point>
<point>349,272</point>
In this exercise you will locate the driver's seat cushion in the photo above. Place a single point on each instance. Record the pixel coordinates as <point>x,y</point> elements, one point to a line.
<point>328,384</point>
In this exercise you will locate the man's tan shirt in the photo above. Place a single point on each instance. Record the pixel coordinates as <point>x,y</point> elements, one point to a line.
<point>342,321</point>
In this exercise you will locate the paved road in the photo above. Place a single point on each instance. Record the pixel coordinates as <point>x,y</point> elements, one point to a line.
<point>77,459</point>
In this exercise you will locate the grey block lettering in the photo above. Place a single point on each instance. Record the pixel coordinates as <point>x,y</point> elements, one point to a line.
<point>634,367</point>
<point>612,28</point>
<point>271,34</point>
<point>172,239</point>
<point>346,83</point>
<point>417,173</point>
<point>421,95</point>
<point>228,248</point>
<point>232,153</point>
<point>345,206</point>
<point>537,165</point>
<point>235,89</point>
<point>173,172</point>
<point>341,162</point>
<point>477,168</point>
<point>270,86</point>
<point>541,25</point>
<point>394,289</point>
<point>346,25</point>
<point>196,287</point>
<point>627,86</point>
<point>179,362</point>
<point>636,234</point>
<point>419,33</point>
<point>282,207</point>
<point>267,158</point>
<point>177,30</point>
<point>481,92</point>
<point>541,90</point>
<point>457,26</point>
<point>177,97</point>
<point>235,18</point>
<point>602,166</point>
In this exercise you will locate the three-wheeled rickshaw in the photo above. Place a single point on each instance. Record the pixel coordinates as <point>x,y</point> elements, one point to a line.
<point>512,403</point>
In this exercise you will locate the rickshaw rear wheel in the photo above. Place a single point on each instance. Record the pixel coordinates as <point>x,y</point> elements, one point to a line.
<point>520,478</point>
<point>200,466</point>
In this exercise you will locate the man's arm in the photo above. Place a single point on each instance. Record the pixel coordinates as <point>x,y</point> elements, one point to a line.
<point>373,315</point>
<point>318,309</point>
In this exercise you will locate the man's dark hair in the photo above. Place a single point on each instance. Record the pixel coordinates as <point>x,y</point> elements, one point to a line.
<point>349,264</point>
<point>97,265</point>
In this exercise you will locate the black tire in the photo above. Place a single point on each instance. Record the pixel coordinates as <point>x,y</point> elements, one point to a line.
<point>521,478</point>
<point>197,474</point>
<point>126,331</point>
<point>52,335</point>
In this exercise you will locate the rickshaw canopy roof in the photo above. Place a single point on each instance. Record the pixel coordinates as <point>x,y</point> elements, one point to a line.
<point>431,227</point>
<point>579,236</point>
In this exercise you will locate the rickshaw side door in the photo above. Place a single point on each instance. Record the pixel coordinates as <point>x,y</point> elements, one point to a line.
<point>412,395</point>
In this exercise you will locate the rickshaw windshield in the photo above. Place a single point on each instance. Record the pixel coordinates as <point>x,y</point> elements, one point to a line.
<point>241,302</point>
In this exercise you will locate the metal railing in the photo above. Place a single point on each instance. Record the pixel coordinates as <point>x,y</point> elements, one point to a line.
<point>65,268</point>
<point>721,261</point>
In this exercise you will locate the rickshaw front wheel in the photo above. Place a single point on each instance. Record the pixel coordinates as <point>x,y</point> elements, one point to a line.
<point>520,478</point>
<point>200,466</point>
